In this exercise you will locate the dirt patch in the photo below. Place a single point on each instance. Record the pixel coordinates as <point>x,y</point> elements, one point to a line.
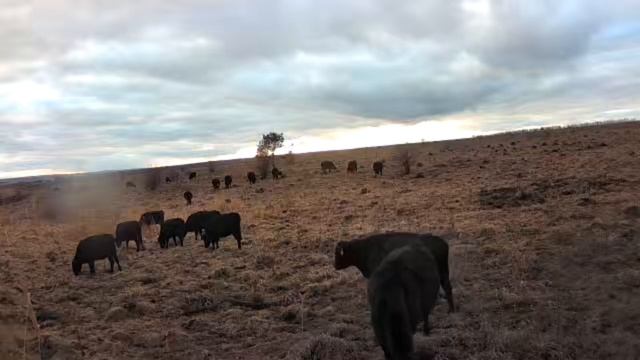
<point>509,197</point>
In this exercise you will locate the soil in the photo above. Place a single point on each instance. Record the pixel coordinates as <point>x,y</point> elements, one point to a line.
<point>543,227</point>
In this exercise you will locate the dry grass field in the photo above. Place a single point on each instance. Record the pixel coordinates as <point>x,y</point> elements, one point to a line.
<point>544,230</point>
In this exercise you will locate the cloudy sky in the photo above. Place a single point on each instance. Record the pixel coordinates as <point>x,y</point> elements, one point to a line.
<point>96,85</point>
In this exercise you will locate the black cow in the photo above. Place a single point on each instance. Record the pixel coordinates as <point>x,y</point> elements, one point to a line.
<point>96,247</point>
<point>192,175</point>
<point>152,218</point>
<point>276,173</point>
<point>188,196</point>
<point>216,183</point>
<point>227,181</point>
<point>221,226</point>
<point>129,230</point>
<point>401,293</point>
<point>352,166</point>
<point>377,167</point>
<point>195,222</point>
<point>368,252</point>
<point>130,184</point>
<point>167,179</point>
<point>172,229</point>
<point>327,166</point>
<point>251,177</point>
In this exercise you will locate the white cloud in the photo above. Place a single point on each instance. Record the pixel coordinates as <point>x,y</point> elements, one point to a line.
<point>101,85</point>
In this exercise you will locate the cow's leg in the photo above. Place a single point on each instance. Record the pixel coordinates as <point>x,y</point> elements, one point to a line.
<point>111,263</point>
<point>115,257</point>
<point>92,267</point>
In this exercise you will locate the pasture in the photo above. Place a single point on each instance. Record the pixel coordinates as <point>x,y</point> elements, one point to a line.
<point>543,228</point>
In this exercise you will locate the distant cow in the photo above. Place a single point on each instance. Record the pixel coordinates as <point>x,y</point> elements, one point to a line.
<point>130,184</point>
<point>401,292</point>
<point>216,183</point>
<point>276,173</point>
<point>367,253</point>
<point>352,166</point>
<point>251,177</point>
<point>192,175</point>
<point>227,181</point>
<point>221,226</point>
<point>167,179</point>
<point>377,167</point>
<point>94,248</point>
<point>327,166</point>
<point>129,230</point>
<point>188,196</point>
<point>152,218</point>
<point>172,229</point>
<point>195,222</point>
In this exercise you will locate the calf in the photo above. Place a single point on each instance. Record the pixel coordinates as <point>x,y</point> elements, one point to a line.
<point>327,166</point>
<point>188,196</point>
<point>192,175</point>
<point>216,183</point>
<point>195,222</point>
<point>377,168</point>
<point>129,230</point>
<point>368,252</point>
<point>130,184</point>
<point>227,181</point>
<point>251,176</point>
<point>221,226</point>
<point>172,229</point>
<point>152,217</point>
<point>352,167</point>
<point>167,179</point>
<point>276,173</point>
<point>94,248</point>
<point>401,293</point>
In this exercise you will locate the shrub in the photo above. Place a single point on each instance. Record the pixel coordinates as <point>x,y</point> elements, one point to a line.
<point>152,180</point>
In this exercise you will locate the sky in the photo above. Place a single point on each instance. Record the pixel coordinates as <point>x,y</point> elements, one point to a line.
<point>104,85</point>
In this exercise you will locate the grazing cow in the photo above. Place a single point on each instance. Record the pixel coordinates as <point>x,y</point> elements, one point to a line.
<point>251,176</point>
<point>368,252</point>
<point>377,167</point>
<point>216,183</point>
<point>276,173</point>
<point>152,218</point>
<point>130,184</point>
<point>129,230</point>
<point>352,167</point>
<point>96,247</point>
<point>221,226</point>
<point>195,222</point>
<point>327,166</point>
<point>192,175</point>
<point>401,293</point>
<point>167,179</point>
<point>172,229</point>
<point>188,196</point>
<point>227,181</point>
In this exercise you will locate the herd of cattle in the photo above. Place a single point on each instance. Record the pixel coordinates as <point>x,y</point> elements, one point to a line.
<point>404,270</point>
<point>325,166</point>
<point>210,225</point>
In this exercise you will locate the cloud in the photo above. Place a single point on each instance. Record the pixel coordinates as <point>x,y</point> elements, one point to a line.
<point>102,85</point>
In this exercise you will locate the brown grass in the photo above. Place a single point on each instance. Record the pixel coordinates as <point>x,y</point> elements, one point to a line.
<point>545,251</point>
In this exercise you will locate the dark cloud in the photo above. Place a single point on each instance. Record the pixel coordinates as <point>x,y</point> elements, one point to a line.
<point>98,85</point>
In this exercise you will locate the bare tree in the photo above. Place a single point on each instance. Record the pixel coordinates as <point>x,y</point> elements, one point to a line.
<point>405,158</point>
<point>265,157</point>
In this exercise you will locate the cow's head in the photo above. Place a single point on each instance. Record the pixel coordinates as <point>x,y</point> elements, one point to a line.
<point>344,256</point>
